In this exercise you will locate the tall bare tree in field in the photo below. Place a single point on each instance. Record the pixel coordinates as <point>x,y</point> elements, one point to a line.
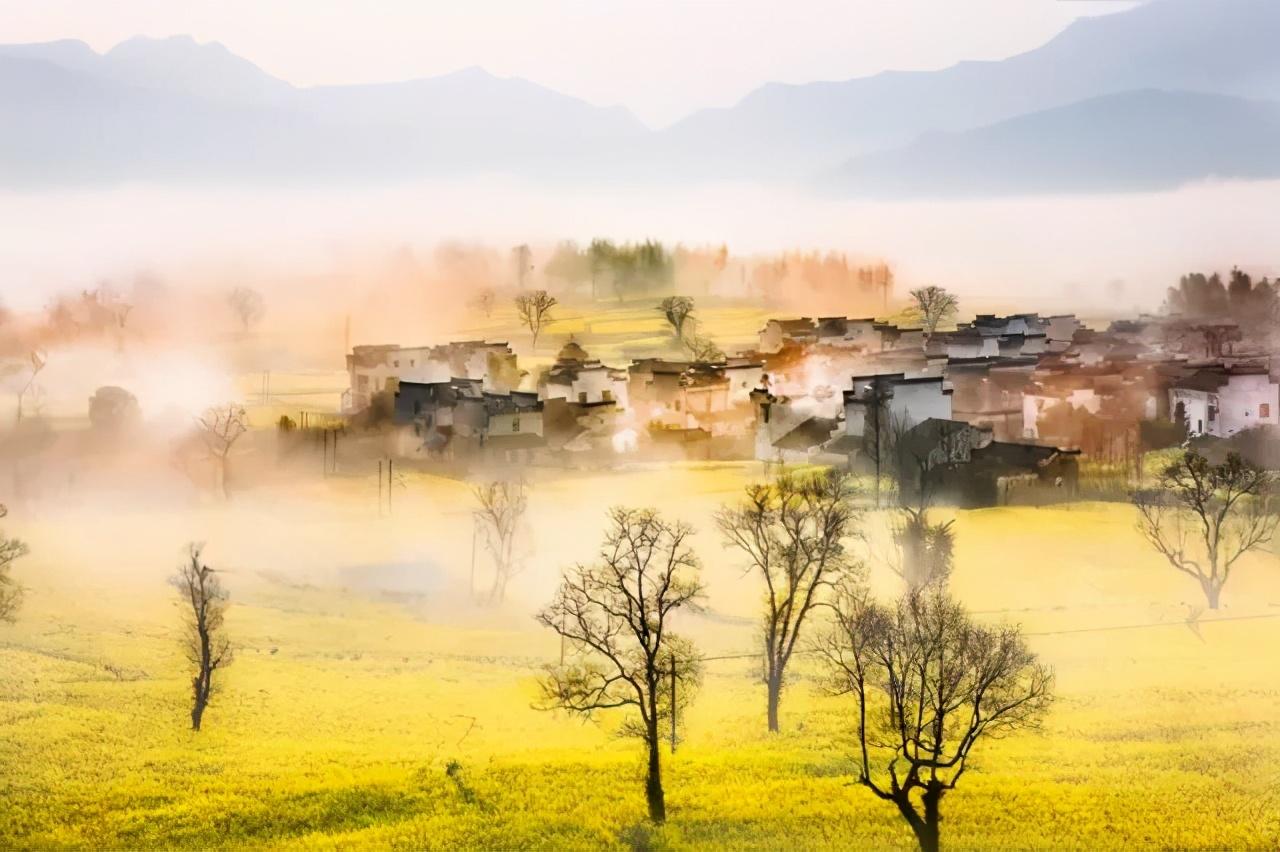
<point>248,306</point>
<point>792,531</point>
<point>205,643</point>
<point>676,310</point>
<point>1202,517</point>
<point>36,361</point>
<point>11,549</point>
<point>219,428</point>
<point>929,684</point>
<point>933,305</point>
<point>615,616</point>
<point>502,505</point>
<point>534,309</point>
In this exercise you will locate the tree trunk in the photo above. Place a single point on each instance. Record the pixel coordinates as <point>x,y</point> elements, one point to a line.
<point>774,681</point>
<point>653,779</point>
<point>222,478</point>
<point>903,800</point>
<point>927,834</point>
<point>201,700</point>
<point>1212,592</point>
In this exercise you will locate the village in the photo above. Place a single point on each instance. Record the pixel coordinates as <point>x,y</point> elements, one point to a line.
<point>996,409</point>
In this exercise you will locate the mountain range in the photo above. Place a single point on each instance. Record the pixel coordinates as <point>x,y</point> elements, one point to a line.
<point>1165,93</point>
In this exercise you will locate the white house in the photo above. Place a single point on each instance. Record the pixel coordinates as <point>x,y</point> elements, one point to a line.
<point>906,400</point>
<point>372,368</point>
<point>1224,401</point>
<point>575,377</point>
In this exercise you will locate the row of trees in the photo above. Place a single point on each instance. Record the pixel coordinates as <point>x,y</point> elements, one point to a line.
<point>1240,297</point>
<point>928,682</point>
<point>625,270</point>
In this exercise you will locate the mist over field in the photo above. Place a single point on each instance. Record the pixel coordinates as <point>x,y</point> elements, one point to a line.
<point>629,426</point>
<point>1051,252</point>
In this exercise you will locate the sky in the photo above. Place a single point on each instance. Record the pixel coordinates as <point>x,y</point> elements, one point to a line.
<point>662,59</point>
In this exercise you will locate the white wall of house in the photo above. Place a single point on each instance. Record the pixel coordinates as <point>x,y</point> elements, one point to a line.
<point>1034,406</point>
<point>516,423</point>
<point>1248,401</point>
<point>909,403</point>
<point>591,385</point>
<point>917,402</point>
<point>1061,327</point>
<point>970,347</point>
<point>742,381</point>
<point>1242,402</point>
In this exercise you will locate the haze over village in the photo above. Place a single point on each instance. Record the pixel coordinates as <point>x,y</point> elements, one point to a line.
<point>885,458</point>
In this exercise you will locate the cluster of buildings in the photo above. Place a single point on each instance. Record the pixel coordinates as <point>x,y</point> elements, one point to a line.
<point>999,398</point>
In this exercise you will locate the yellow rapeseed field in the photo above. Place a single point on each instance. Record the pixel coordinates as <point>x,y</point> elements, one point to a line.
<point>362,672</point>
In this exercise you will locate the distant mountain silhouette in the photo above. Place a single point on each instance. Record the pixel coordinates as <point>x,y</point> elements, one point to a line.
<point>174,109</point>
<point>1220,46</point>
<point>1145,140</point>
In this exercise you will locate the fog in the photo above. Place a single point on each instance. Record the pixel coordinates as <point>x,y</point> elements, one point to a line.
<point>1082,253</point>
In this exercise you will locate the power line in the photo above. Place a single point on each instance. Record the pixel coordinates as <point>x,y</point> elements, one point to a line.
<point>757,655</point>
<point>1188,622</point>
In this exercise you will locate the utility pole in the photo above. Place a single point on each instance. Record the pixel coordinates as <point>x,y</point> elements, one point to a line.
<point>324,450</point>
<point>474,530</point>
<point>379,488</point>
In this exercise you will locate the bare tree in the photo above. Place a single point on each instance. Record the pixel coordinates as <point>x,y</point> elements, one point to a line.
<point>248,306</point>
<point>929,684</point>
<point>534,309</point>
<point>925,546</point>
<point>676,310</point>
<point>1203,517</point>
<point>792,531</point>
<point>616,615</point>
<point>219,428</point>
<point>11,549</point>
<point>933,305</point>
<point>205,642</point>
<point>502,506</point>
<point>703,349</point>
<point>36,360</point>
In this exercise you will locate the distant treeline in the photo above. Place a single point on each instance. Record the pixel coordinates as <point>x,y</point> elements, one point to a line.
<point>645,269</point>
<point>1241,298</point>
<point>618,270</point>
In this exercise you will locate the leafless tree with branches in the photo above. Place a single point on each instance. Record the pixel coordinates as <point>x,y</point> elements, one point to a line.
<point>36,361</point>
<point>205,642</point>
<point>925,546</point>
<point>502,505</point>
<point>1202,517</point>
<point>676,310</point>
<point>219,428</point>
<point>534,309</point>
<point>929,684</point>
<point>792,531</point>
<point>933,305</point>
<point>703,350</point>
<point>248,306</point>
<point>11,549</point>
<point>616,616</point>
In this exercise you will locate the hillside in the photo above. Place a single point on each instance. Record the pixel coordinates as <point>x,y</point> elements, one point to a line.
<point>1147,140</point>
